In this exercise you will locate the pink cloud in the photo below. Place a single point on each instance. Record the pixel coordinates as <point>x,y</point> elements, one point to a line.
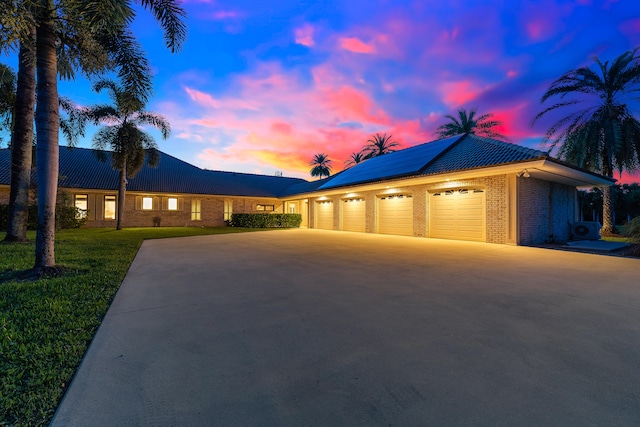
<point>226,14</point>
<point>458,93</point>
<point>354,44</point>
<point>208,101</point>
<point>350,104</point>
<point>281,128</point>
<point>304,35</point>
<point>630,27</point>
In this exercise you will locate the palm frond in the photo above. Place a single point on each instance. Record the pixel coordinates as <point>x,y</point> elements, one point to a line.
<point>170,15</point>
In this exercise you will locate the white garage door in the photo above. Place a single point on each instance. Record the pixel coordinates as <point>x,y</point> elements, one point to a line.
<point>324,215</point>
<point>395,214</point>
<point>354,215</point>
<point>458,214</point>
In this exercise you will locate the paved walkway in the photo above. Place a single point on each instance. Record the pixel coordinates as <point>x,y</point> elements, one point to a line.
<point>309,327</point>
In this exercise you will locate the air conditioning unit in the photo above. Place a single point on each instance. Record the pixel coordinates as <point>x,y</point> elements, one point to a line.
<point>586,230</point>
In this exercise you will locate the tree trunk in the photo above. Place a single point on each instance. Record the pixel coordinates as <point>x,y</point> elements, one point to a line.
<point>122,188</point>
<point>47,123</point>
<point>21,143</point>
<point>608,224</point>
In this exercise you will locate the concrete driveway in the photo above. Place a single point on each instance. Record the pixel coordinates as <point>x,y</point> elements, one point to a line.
<point>309,327</point>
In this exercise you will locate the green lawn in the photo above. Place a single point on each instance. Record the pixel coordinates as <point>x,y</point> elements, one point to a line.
<point>47,324</point>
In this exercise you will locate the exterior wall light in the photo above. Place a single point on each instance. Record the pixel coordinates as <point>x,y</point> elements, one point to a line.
<point>523,174</point>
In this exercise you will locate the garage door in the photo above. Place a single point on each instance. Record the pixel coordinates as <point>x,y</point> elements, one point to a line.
<point>458,214</point>
<point>324,215</point>
<point>354,215</point>
<point>395,214</point>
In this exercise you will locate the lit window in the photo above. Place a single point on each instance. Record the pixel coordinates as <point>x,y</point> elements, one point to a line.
<point>265,208</point>
<point>195,210</point>
<point>82,204</point>
<point>292,208</point>
<point>109,207</point>
<point>228,209</point>
<point>147,203</point>
<point>172,204</point>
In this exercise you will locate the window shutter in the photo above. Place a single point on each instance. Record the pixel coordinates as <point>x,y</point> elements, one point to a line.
<point>180,204</point>
<point>91,206</point>
<point>156,203</point>
<point>165,203</point>
<point>99,207</point>
<point>138,203</point>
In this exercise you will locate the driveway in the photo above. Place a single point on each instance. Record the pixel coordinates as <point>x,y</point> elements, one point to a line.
<point>310,327</point>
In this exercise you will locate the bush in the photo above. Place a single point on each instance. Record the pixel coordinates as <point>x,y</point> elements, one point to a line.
<point>66,217</point>
<point>265,220</point>
<point>633,228</point>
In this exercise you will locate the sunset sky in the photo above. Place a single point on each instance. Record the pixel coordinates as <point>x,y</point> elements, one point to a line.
<point>262,86</point>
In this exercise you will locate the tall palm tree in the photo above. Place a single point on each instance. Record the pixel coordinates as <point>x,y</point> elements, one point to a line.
<point>22,141</point>
<point>7,97</point>
<point>378,145</point>
<point>321,165</point>
<point>598,131</point>
<point>81,23</point>
<point>130,145</point>
<point>468,123</point>
<point>119,47</point>
<point>354,159</point>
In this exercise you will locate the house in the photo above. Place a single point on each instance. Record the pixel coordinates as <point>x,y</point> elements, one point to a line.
<point>464,187</point>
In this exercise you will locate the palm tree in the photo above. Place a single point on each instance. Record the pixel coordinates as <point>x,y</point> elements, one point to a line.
<point>354,159</point>
<point>130,145</point>
<point>321,165</point>
<point>118,46</point>
<point>604,136</point>
<point>467,123</point>
<point>22,141</point>
<point>379,145</point>
<point>7,96</point>
<point>84,24</point>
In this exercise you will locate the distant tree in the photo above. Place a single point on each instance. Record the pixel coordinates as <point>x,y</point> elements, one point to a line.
<point>354,159</point>
<point>604,136</point>
<point>130,145</point>
<point>379,145</point>
<point>468,123</point>
<point>321,165</point>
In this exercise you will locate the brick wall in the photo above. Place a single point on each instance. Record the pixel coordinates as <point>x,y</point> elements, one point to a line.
<point>546,211</point>
<point>211,210</point>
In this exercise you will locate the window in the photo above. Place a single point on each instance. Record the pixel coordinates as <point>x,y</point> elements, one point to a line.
<point>270,208</point>
<point>147,203</point>
<point>292,208</point>
<point>109,207</point>
<point>82,204</point>
<point>195,210</point>
<point>228,209</point>
<point>172,204</point>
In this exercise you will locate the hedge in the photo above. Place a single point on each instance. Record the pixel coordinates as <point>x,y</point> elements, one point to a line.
<point>265,220</point>
<point>66,217</point>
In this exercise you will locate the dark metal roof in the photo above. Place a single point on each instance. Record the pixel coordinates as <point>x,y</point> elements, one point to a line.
<point>472,152</point>
<point>305,187</point>
<point>80,168</point>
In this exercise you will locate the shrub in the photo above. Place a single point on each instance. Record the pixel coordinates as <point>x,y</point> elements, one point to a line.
<point>265,220</point>
<point>634,229</point>
<point>66,217</point>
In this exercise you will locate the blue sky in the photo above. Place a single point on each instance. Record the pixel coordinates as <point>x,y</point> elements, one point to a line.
<point>261,87</point>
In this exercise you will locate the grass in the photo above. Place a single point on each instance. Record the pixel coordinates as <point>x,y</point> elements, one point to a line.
<point>46,324</point>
